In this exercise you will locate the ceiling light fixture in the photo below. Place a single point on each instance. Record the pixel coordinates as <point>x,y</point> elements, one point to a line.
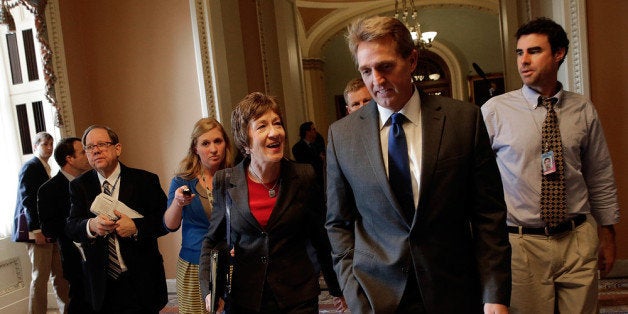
<point>407,13</point>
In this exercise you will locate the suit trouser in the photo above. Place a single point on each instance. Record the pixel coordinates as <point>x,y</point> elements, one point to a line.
<point>123,297</point>
<point>46,262</point>
<point>556,272</point>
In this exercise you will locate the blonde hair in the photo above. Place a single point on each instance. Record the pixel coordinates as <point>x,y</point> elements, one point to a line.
<point>190,166</point>
<point>353,86</point>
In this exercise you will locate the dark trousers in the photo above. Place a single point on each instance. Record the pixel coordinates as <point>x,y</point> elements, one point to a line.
<point>121,297</point>
<point>270,305</point>
<point>411,301</point>
<point>78,302</point>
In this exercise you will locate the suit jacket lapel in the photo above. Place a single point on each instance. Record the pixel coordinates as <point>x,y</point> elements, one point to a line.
<point>433,121</point>
<point>369,132</point>
<point>40,167</point>
<point>93,186</point>
<point>126,186</point>
<point>238,191</point>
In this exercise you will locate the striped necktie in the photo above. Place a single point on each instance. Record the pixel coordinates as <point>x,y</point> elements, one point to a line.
<point>553,193</point>
<point>113,267</point>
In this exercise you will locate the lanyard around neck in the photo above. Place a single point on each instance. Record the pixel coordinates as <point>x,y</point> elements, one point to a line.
<point>113,187</point>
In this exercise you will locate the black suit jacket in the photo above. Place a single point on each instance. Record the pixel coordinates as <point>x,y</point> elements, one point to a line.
<point>31,177</point>
<point>276,254</point>
<point>310,154</point>
<point>456,244</point>
<point>53,205</point>
<point>141,191</point>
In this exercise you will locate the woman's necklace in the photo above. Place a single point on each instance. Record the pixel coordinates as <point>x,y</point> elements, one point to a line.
<point>210,197</point>
<point>271,191</point>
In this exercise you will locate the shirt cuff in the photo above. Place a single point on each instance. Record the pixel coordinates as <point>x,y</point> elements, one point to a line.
<point>90,235</point>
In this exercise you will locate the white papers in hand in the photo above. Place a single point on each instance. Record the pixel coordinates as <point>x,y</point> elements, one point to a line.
<point>105,204</point>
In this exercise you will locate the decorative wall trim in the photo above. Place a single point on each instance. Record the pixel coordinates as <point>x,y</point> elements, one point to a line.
<point>262,42</point>
<point>313,64</point>
<point>61,87</point>
<point>12,278</point>
<point>528,13</point>
<point>576,47</point>
<point>202,43</point>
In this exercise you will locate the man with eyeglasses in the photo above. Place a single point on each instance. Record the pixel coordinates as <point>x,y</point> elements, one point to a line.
<point>122,263</point>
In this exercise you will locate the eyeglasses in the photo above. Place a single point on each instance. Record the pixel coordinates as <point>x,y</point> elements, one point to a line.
<point>101,145</point>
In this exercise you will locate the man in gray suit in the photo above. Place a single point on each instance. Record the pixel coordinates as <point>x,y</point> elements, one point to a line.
<point>441,245</point>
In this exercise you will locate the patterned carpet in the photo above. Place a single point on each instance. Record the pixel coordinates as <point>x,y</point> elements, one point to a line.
<point>613,296</point>
<point>325,304</point>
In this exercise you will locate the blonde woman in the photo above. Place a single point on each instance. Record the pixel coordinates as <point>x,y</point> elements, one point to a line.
<point>190,204</point>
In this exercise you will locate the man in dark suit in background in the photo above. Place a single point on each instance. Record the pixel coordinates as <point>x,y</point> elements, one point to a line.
<point>53,205</point>
<point>433,239</point>
<point>123,265</point>
<point>44,255</point>
<point>310,151</point>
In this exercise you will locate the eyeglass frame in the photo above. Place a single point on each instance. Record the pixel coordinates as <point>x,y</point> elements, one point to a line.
<point>101,146</point>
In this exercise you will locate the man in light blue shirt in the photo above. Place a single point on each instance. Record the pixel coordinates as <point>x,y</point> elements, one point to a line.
<point>553,265</point>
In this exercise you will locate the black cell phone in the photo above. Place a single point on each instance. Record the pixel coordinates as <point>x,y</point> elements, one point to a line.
<point>186,192</point>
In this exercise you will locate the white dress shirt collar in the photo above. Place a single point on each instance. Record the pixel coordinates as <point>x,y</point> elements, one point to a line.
<point>532,96</point>
<point>112,178</point>
<point>67,175</point>
<point>411,110</point>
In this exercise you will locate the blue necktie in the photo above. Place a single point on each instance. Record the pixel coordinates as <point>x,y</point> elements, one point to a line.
<point>399,165</point>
